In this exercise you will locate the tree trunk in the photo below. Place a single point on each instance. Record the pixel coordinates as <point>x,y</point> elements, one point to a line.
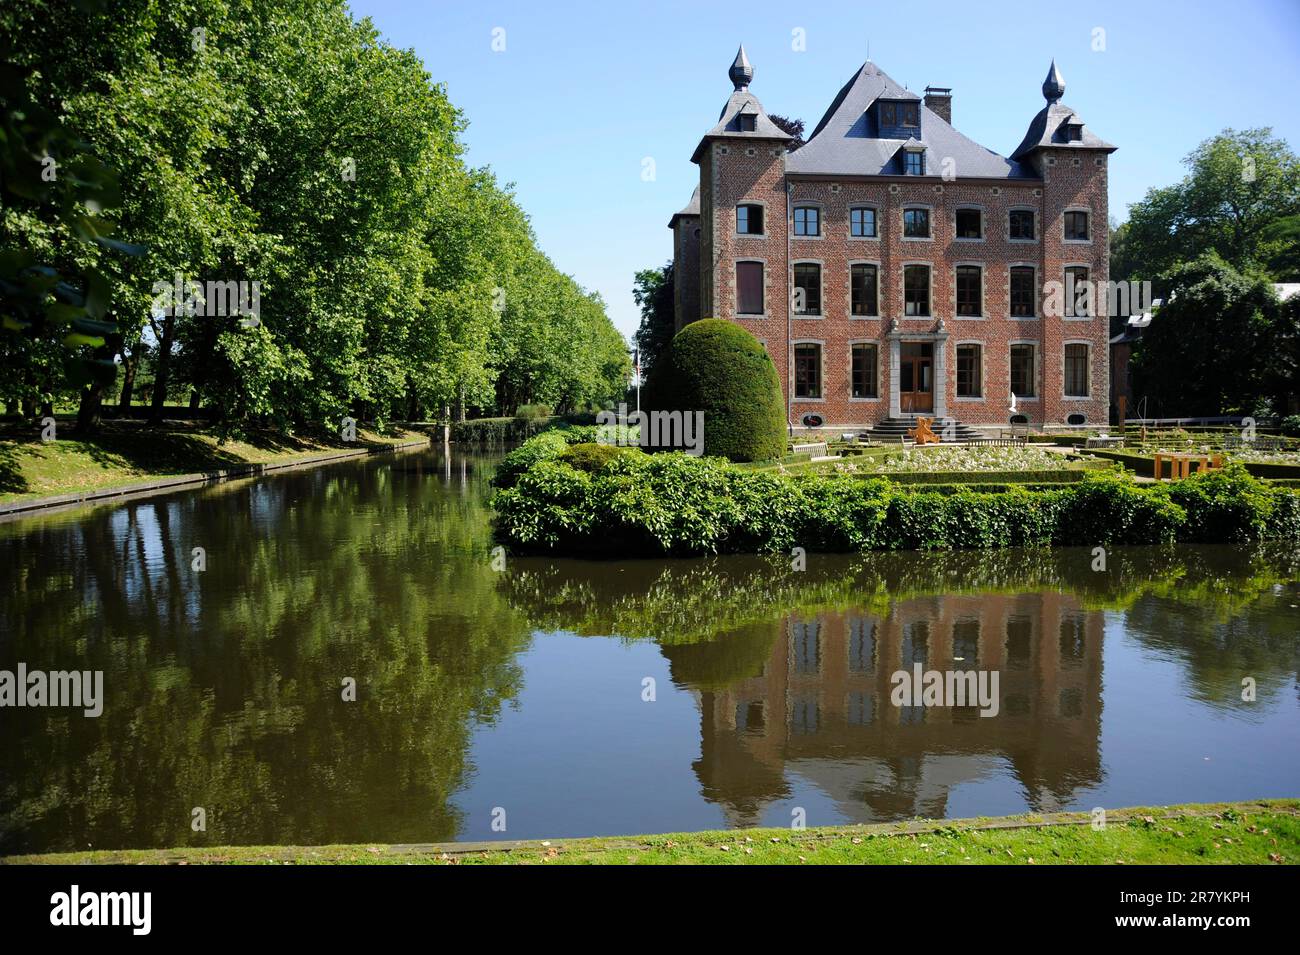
<point>89,412</point>
<point>164,369</point>
<point>129,363</point>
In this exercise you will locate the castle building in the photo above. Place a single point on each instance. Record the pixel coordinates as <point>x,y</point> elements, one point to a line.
<point>893,267</point>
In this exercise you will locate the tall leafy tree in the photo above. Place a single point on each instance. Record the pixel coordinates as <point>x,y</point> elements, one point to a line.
<point>653,294</point>
<point>1238,185</point>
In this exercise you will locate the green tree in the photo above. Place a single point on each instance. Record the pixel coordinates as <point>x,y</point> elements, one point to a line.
<point>1239,184</point>
<point>1209,350</point>
<point>653,292</point>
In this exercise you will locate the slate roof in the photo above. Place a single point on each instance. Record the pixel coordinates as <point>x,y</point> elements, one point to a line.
<point>742,101</point>
<point>692,208</point>
<point>845,142</point>
<point>1047,130</point>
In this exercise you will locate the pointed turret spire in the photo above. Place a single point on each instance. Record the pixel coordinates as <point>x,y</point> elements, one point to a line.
<point>1054,85</point>
<point>741,72</point>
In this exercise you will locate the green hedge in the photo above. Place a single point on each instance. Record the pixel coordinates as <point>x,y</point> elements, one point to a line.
<point>674,504</point>
<point>498,431</point>
<point>1054,476</point>
<point>1143,463</point>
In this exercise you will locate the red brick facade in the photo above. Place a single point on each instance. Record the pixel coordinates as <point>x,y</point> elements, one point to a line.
<point>736,169</point>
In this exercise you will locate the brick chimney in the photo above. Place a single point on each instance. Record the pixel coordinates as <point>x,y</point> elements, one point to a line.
<point>938,100</point>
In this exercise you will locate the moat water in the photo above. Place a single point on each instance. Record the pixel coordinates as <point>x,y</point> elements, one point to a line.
<point>564,698</point>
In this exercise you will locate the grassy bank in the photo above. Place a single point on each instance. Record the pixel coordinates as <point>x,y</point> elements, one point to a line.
<point>125,454</point>
<point>1266,832</point>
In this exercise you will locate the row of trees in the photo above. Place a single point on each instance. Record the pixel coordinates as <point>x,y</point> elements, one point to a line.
<point>277,142</point>
<point>1213,246</point>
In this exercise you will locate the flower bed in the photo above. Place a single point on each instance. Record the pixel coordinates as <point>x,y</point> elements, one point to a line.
<point>957,458</point>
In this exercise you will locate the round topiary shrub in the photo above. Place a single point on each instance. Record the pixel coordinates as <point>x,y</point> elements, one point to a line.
<point>717,367</point>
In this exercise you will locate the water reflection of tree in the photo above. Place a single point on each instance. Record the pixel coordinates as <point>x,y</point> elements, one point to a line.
<point>223,688</point>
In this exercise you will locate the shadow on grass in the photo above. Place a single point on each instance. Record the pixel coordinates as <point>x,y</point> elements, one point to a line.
<point>157,451</point>
<point>11,471</point>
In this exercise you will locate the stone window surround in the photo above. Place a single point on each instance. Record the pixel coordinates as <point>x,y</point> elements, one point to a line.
<point>797,204</point>
<point>848,293</point>
<point>1037,292</point>
<point>902,290</point>
<point>875,343</point>
<point>1087,344</point>
<point>1037,230</point>
<point>1095,305</point>
<point>821,291</point>
<point>984,225</point>
<point>1091,221</point>
<point>1038,369</point>
<point>735,219</point>
<point>735,290</point>
<point>984,311</point>
<point>864,238</point>
<point>902,222</point>
<point>821,371</point>
<point>983,370</point>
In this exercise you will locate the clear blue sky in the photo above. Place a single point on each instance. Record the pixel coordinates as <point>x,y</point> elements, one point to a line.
<point>584,91</point>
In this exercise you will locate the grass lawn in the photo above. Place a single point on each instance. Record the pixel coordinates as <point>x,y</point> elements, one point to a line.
<point>1266,832</point>
<point>125,454</point>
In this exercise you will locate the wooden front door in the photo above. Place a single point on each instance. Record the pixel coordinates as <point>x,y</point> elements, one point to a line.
<point>916,377</point>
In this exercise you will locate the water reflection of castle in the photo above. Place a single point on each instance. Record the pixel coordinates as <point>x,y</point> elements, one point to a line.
<point>820,708</point>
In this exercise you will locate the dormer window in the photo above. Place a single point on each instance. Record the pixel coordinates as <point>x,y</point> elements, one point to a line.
<point>900,114</point>
<point>748,122</point>
<point>1074,132</point>
<point>913,163</point>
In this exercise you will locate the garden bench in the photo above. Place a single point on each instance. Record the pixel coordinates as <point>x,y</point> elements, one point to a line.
<point>815,448</point>
<point>1104,441</point>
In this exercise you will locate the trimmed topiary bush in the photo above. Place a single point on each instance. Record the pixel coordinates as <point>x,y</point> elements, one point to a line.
<point>717,367</point>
